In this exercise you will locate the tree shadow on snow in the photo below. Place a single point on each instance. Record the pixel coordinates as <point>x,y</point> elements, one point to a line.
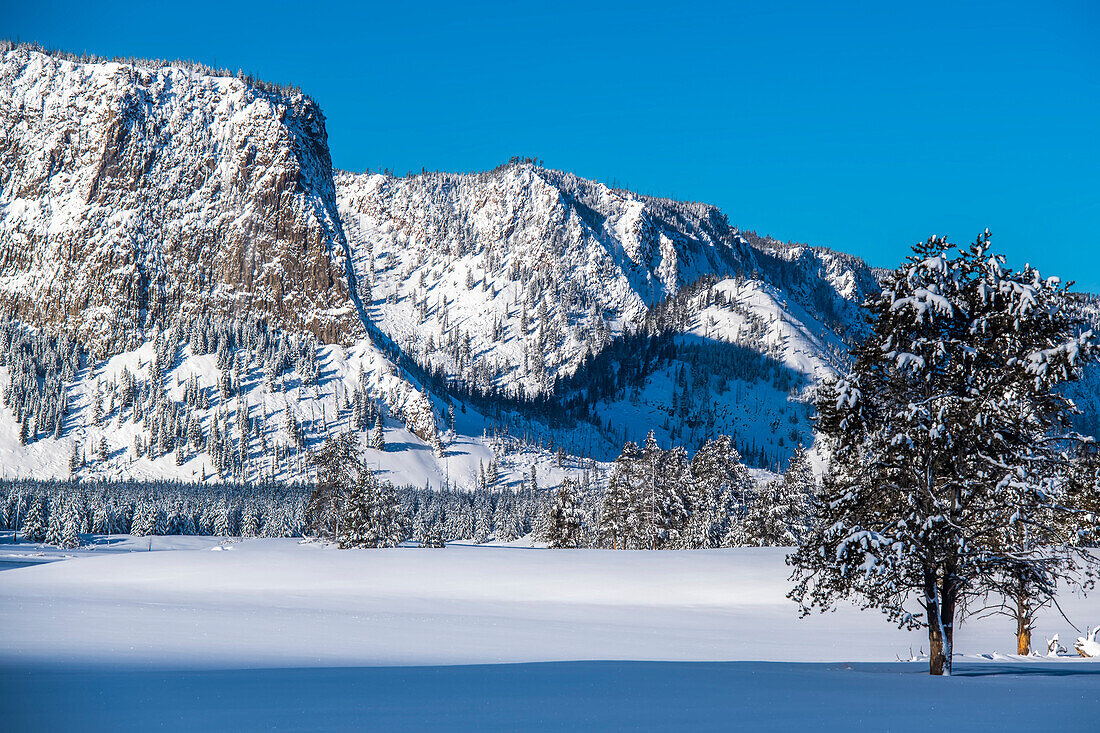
<point>1069,667</point>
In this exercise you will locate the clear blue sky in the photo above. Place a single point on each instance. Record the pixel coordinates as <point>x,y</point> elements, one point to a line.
<point>854,126</point>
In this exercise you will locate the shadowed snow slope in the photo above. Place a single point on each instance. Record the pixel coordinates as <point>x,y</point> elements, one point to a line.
<point>269,603</point>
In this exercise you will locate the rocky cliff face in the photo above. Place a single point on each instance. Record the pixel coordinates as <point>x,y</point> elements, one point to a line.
<point>131,195</point>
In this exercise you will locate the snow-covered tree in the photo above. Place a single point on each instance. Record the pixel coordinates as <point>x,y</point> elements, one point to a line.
<point>55,525</point>
<point>101,523</point>
<point>70,532</point>
<point>370,515</point>
<point>947,437</point>
<point>337,465</point>
<point>378,437</point>
<point>566,517</point>
<point>615,513</point>
<point>778,516</point>
<point>354,529</point>
<point>223,519</point>
<point>34,524</point>
<point>389,524</point>
<point>431,535</point>
<point>722,488</point>
<point>158,524</point>
<point>659,507</point>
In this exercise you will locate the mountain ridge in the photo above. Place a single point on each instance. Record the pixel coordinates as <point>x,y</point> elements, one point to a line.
<point>175,212</point>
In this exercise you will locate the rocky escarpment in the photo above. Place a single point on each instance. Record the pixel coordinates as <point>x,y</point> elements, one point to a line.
<point>131,195</point>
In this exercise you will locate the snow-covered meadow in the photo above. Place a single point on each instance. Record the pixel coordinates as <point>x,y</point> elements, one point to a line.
<point>249,635</point>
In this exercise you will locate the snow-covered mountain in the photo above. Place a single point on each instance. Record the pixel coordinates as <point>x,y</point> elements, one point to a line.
<point>132,192</point>
<point>186,227</point>
<point>509,278</point>
<point>171,211</point>
<point>517,280</point>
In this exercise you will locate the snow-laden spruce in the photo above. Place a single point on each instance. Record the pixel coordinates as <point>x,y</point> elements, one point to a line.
<point>952,449</point>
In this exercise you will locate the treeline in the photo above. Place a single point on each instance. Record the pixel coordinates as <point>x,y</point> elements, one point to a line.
<point>58,512</point>
<point>658,499</point>
<point>654,499</point>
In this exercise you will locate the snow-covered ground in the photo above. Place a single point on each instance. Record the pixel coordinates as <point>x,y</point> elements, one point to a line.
<point>244,635</point>
<point>559,696</point>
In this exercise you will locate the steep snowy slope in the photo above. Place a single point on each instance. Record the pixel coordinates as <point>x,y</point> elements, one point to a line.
<point>508,279</point>
<point>233,403</point>
<point>741,364</point>
<point>130,193</point>
<point>513,280</point>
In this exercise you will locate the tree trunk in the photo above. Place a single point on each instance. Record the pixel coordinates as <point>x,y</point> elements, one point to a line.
<point>935,627</point>
<point>1023,638</point>
<point>947,616</point>
<point>1023,623</point>
<point>939,604</point>
<point>935,647</point>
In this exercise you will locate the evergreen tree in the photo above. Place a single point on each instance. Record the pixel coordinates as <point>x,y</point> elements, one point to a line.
<point>566,517</point>
<point>223,520</point>
<point>778,516</point>
<point>338,466</point>
<point>70,533</point>
<point>483,524</point>
<point>139,523</point>
<point>101,523</point>
<point>492,478</point>
<point>722,490</point>
<point>97,406</point>
<point>660,511</point>
<point>34,524</point>
<point>615,514</point>
<point>378,437</point>
<point>55,525</point>
<point>355,528</point>
<point>945,438</point>
<point>371,515</point>
<point>250,527</point>
<point>390,527</point>
<point>431,535</point>
<point>159,522</point>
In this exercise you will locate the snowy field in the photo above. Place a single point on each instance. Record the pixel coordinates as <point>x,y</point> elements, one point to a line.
<point>267,634</point>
